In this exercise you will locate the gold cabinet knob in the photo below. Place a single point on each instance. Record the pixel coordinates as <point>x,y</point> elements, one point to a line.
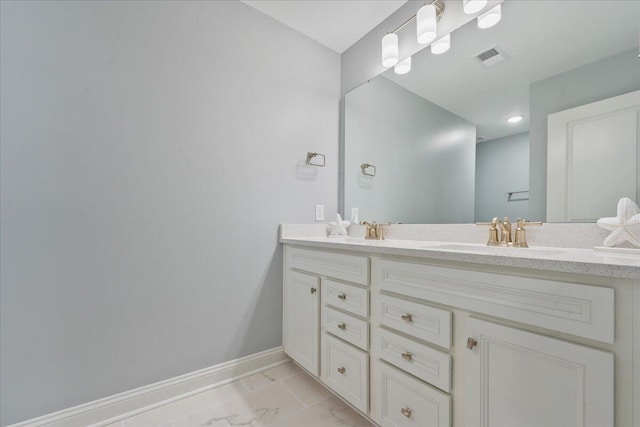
<point>407,356</point>
<point>342,296</point>
<point>406,412</point>
<point>342,370</point>
<point>471,342</point>
<point>342,326</point>
<point>407,317</point>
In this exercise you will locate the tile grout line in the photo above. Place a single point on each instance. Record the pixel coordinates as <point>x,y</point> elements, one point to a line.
<point>301,409</point>
<point>304,405</point>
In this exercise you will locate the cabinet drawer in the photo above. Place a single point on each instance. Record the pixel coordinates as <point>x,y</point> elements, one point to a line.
<point>421,321</point>
<point>351,268</point>
<point>347,327</point>
<point>346,297</point>
<point>400,400</point>
<point>346,370</point>
<point>429,364</point>
<point>574,308</point>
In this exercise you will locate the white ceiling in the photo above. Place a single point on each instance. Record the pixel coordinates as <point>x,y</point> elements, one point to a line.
<point>337,24</point>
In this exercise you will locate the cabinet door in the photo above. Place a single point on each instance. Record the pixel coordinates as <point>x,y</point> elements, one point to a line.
<point>301,320</point>
<point>517,378</point>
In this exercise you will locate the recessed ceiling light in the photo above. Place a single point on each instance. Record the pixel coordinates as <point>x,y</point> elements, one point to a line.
<point>514,119</point>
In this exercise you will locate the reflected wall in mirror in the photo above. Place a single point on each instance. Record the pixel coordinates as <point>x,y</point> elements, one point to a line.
<point>439,137</point>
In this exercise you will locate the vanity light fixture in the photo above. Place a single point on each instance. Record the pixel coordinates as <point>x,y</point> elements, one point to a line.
<point>427,18</point>
<point>390,50</point>
<point>473,6</point>
<point>403,67</point>
<point>515,119</point>
<point>426,27</point>
<point>490,17</point>
<point>426,31</point>
<point>442,45</point>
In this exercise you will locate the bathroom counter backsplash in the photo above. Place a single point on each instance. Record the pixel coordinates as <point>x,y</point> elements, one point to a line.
<point>556,247</point>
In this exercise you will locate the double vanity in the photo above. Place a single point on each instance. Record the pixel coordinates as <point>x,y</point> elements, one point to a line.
<point>426,333</point>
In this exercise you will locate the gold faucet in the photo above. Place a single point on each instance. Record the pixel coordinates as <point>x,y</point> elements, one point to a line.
<point>373,231</point>
<point>505,231</point>
<point>521,238</point>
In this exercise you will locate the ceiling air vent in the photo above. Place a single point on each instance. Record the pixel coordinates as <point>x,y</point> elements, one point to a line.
<point>492,56</point>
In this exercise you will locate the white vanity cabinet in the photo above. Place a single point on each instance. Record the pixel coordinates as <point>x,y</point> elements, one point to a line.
<point>326,319</point>
<point>432,343</point>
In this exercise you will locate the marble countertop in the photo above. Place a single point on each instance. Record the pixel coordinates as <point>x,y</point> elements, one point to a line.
<point>566,260</point>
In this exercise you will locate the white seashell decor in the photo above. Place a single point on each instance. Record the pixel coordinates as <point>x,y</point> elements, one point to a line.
<point>339,227</point>
<point>625,227</point>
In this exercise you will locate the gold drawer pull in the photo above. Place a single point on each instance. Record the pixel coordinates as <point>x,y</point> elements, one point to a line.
<point>342,326</point>
<point>406,412</point>
<point>342,296</point>
<point>471,342</point>
<point>407,318</point>
<point>341,370</point>
<point>407,356</point>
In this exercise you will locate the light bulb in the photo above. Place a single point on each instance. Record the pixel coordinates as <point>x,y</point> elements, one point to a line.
<point>473,6</point>
<point>490,17</point>
<point>403,67</point>
<point>389,50</point>
<point>515,119</point>
<point>442,45</point>
<point>426,24</point>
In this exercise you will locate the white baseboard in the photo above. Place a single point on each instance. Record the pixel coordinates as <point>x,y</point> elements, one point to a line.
<point>124,405</point>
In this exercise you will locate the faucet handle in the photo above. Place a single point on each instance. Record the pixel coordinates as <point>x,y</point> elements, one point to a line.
<point>493,232</point>
<point>526,222</point>
<point>521,237</point>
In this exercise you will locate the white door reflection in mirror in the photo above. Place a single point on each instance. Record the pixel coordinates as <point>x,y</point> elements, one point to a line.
<point>593,158</point>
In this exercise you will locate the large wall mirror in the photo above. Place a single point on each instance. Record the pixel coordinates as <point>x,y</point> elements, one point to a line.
<point>434,145</point>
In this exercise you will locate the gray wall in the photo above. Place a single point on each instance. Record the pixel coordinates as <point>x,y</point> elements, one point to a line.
<point>502,166</point>
<point>149,151</point>
<point>422,152</point>
<point>610,77</point>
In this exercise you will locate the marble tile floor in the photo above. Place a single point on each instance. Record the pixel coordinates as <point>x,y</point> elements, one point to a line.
<point>283,396</point>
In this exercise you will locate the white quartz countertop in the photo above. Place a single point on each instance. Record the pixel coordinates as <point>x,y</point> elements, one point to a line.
<point>567,260</point>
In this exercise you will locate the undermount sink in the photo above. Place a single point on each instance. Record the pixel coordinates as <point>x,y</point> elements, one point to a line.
<point>495,250</point>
